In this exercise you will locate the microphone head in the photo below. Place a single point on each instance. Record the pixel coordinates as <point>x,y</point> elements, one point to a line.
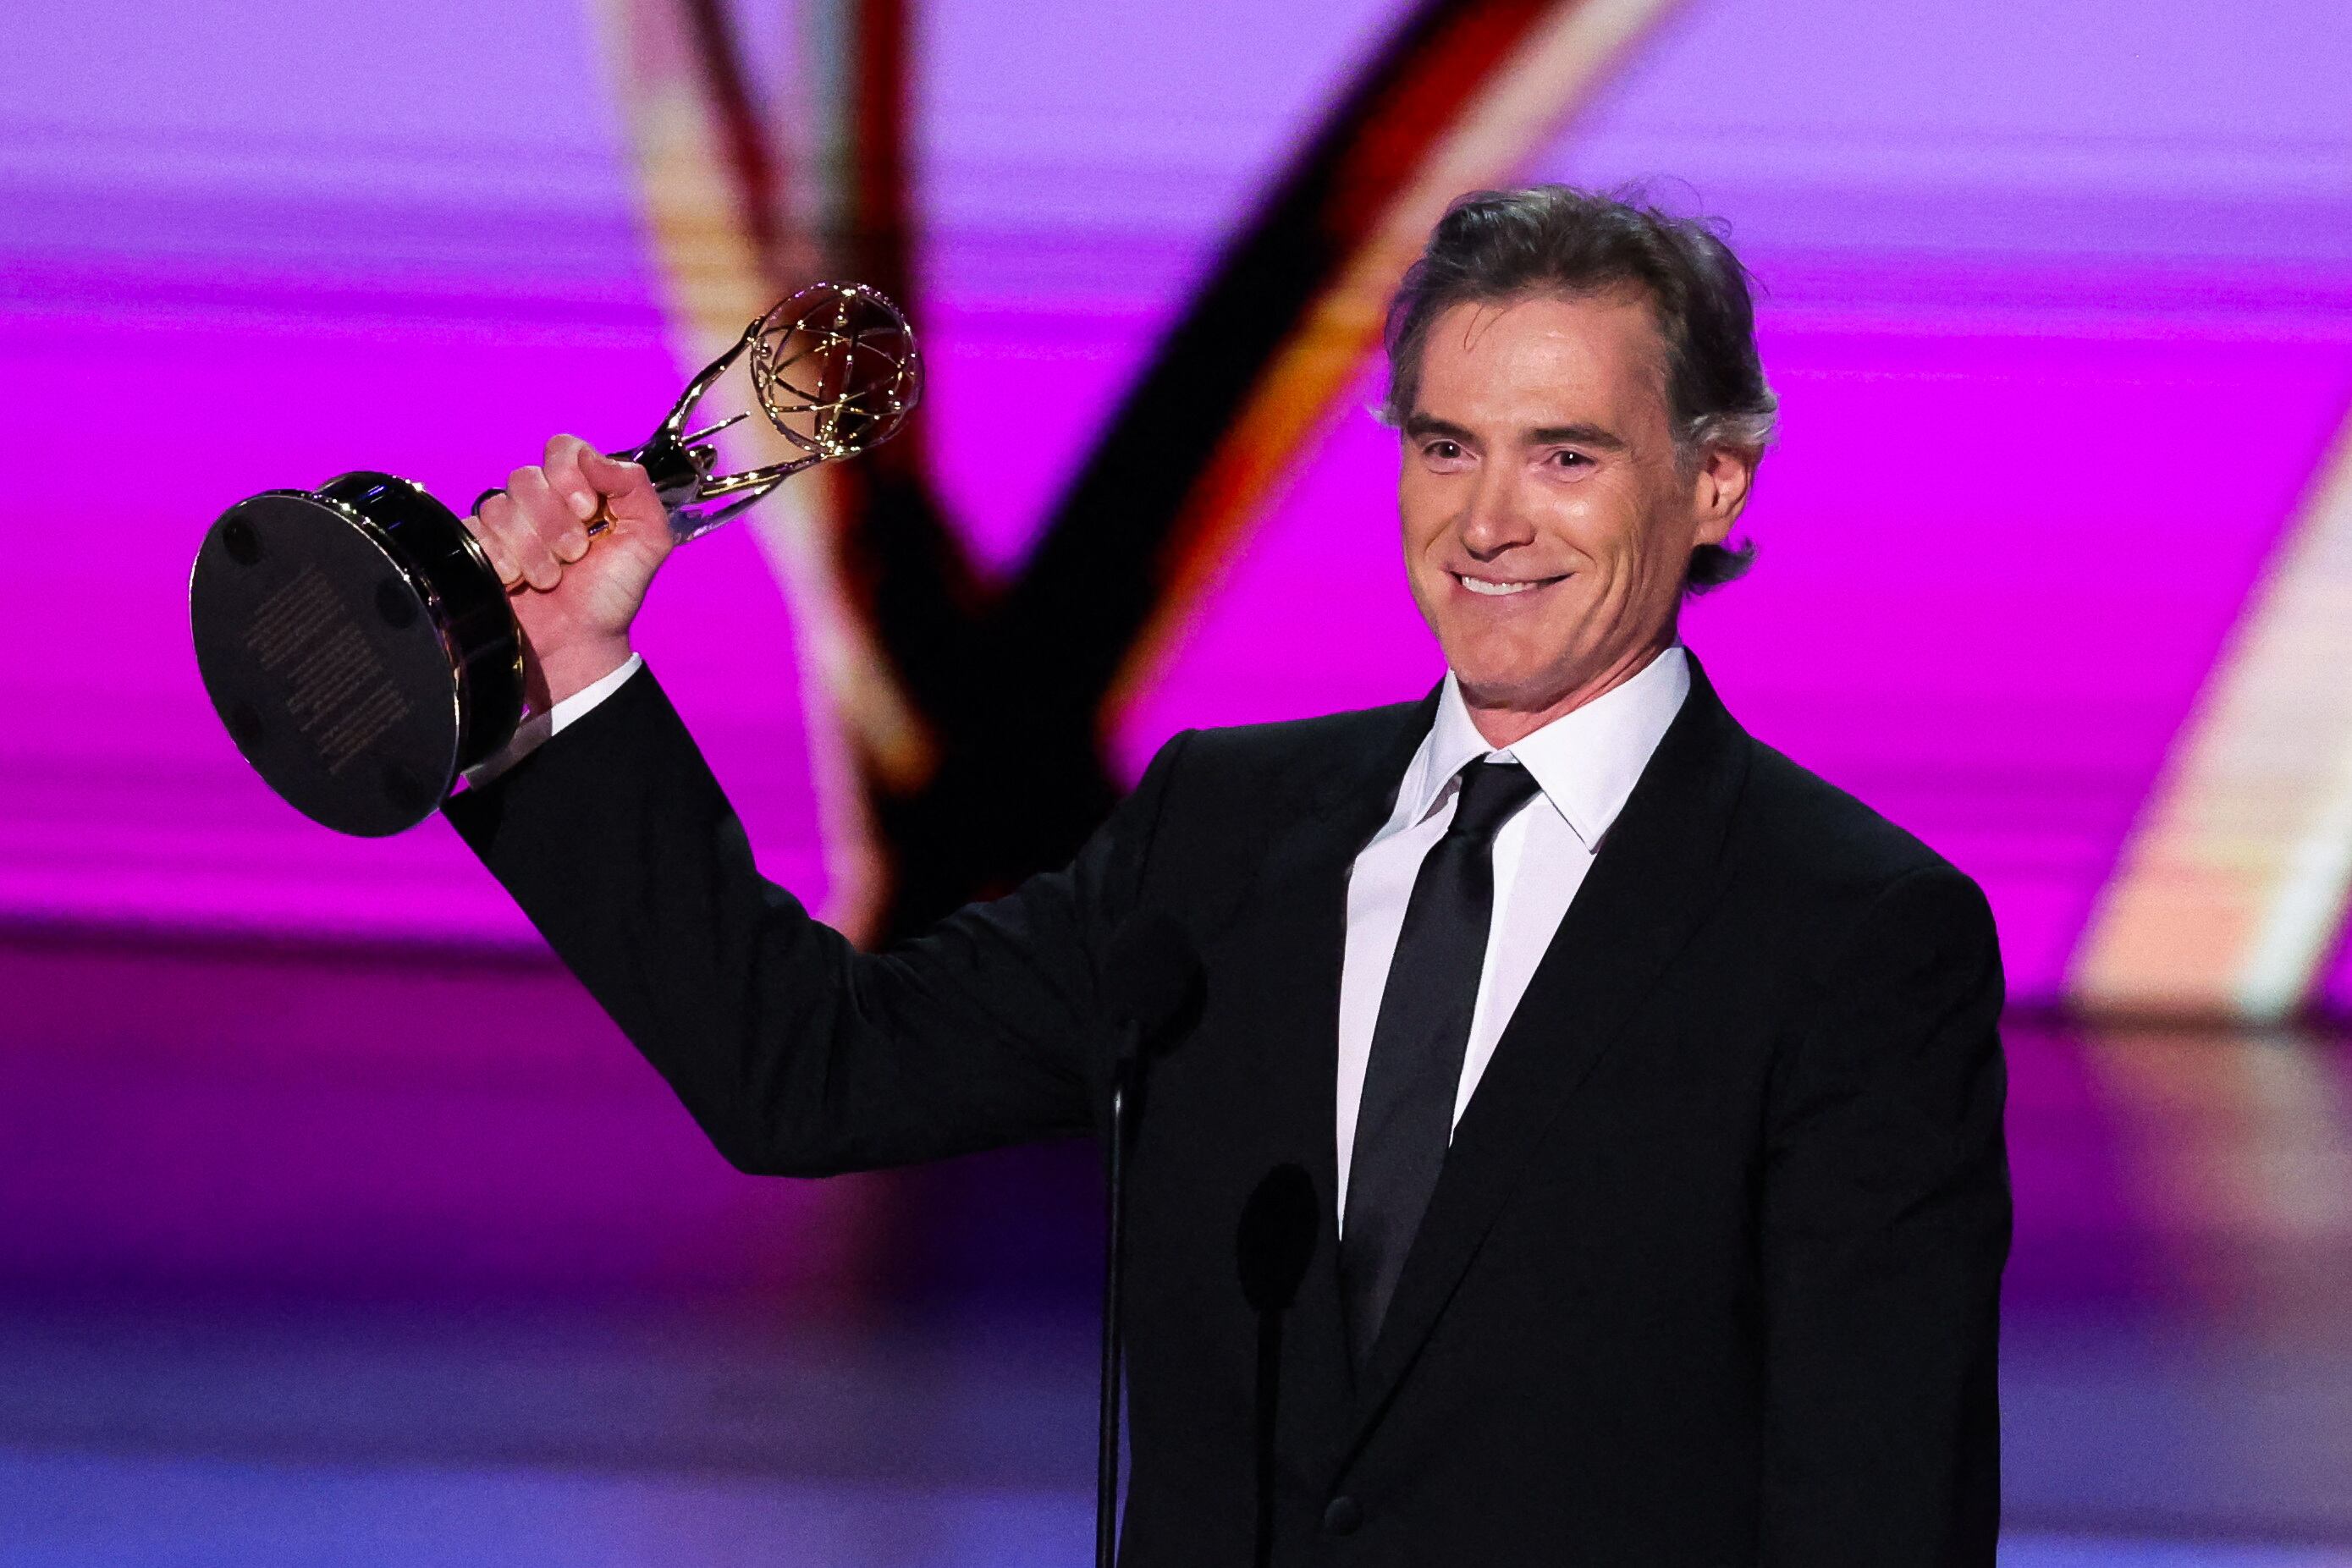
<point>1150,971</point>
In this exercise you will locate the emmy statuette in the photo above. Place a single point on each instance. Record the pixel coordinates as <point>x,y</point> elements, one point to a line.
<point>356,640</point>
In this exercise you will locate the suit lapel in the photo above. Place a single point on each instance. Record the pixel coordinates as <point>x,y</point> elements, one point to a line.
<point>1304,890</point>
<point>1656,873</point>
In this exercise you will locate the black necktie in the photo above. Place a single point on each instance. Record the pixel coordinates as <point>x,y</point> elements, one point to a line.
<point>1406,1116</point>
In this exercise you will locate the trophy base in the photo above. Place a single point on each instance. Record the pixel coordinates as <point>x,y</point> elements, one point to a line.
<point>357,646</point>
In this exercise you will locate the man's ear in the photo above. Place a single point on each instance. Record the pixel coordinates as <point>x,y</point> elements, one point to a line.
<point>1719,491</point>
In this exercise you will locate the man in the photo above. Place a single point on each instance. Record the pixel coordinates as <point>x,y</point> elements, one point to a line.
<point>1586,1146</point>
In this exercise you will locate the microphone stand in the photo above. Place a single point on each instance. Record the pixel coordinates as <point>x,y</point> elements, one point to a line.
<point>1124,1061</point>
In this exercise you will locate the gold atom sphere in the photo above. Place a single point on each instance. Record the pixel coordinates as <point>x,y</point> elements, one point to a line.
<point>835,367</point>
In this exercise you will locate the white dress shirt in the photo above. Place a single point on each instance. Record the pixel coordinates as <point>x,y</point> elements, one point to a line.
<point>1585,764</point>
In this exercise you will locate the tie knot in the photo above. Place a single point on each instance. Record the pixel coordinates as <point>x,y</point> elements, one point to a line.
<point>1491,792</point>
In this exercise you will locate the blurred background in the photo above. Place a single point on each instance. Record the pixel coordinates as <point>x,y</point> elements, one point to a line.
<point>337,1226</point>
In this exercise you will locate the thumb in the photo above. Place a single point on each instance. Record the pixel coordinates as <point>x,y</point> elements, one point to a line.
<point>628,493</point>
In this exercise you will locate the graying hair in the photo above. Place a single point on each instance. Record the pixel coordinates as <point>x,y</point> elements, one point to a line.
<point>1494,245</point>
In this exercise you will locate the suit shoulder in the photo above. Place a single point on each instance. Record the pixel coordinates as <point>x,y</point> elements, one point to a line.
<point>1809,833</point>
<point>1293,750</point>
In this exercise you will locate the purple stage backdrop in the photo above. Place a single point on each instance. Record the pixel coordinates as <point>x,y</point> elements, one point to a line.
<point>407,1256</point>
<point>2056,301</point>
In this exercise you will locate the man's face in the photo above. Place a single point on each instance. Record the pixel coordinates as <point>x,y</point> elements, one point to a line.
<point>1548,524</point>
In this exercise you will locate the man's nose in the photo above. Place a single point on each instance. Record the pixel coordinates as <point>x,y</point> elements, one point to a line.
<point>1494,522</point>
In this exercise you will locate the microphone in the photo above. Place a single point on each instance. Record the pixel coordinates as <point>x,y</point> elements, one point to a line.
<point>1273,1247</point>
<point>1149,975</point>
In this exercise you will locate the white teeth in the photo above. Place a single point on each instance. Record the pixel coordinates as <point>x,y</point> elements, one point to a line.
<point>1479,585</point>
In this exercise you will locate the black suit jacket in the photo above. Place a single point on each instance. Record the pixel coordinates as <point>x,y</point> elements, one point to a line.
<point>1711,1273</point>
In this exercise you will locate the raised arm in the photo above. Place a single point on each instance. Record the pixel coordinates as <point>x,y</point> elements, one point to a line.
<point>798,1054</point>
<point>1886,1224</point>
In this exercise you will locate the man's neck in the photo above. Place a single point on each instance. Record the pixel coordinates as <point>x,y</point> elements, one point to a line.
<point>1507,724</point>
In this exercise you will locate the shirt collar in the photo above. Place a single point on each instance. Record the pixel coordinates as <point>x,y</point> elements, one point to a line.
<point>1586,761</point>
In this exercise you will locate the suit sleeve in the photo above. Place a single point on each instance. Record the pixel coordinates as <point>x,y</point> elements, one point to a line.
<point>798,1054</point>
<point>1885,1227</point>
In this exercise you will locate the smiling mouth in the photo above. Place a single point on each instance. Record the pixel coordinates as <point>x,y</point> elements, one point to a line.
<point>1495,589</point>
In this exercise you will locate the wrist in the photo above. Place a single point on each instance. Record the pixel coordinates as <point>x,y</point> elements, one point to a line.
<point>569,671</point>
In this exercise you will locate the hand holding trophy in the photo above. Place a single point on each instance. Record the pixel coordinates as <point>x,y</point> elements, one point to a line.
<point>358,640</point>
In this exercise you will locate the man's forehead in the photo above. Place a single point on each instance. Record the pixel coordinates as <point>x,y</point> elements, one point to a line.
<point>1538,360</point>
<point>1608,324</point>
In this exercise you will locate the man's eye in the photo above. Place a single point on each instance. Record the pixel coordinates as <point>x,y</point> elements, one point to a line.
<point>1444,451</point>
<point>1571,459</point>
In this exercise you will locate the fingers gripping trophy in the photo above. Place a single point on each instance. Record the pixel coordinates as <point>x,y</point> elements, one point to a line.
<point>361,643</point>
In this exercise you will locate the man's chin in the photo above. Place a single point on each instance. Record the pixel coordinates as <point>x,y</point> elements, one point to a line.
<point>1511,664</point>
<point>1505,690</point>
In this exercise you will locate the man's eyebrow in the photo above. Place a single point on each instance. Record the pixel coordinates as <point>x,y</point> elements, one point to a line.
<point>1422,425</point>
<point>1428,427</point>
<point>1576,435</point>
